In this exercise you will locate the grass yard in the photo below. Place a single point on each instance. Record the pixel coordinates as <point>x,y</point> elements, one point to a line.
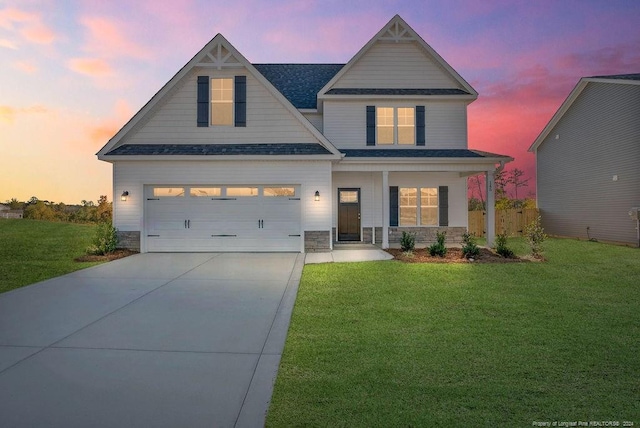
<point>393,344</point>
<point>32,250</point>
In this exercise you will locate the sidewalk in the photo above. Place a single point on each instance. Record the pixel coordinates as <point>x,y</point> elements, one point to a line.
<point>349,253</point>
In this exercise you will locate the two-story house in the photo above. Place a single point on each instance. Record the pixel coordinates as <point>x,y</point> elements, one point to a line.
<point>235,156</point>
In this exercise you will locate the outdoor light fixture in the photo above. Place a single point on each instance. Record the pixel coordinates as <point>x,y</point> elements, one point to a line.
<point>317,195</point>
<point>124,195</point>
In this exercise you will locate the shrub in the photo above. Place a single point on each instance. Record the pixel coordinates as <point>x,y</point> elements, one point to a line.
<point>105,240</point>
<point>469,247</point>
<point>438,248</point>
<point>534,233</point>
<point>501,246</point>
<point>408,241</point>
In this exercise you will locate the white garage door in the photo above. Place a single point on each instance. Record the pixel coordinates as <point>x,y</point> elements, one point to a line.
<point>223,218</point>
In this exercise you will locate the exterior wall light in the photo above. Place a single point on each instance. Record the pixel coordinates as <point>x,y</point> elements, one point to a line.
<point>124,195</point>
<point>317,198</point>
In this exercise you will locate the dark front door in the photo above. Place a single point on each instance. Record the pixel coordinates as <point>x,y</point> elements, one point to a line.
<point>348,214</point>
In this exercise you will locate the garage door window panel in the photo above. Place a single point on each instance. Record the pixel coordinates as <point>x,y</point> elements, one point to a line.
<point>168,192</point>
<point>279,192</point>
<point>205,191</point>
<point>242,191</point>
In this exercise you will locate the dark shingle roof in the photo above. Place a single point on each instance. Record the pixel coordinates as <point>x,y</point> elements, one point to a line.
<point>619,77</point>
<point>415,153</point>
<point>219,149</point>
<point>299,83</point>
<point>369,91</point>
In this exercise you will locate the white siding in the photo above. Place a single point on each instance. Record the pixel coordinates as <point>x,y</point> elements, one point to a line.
<point>173,121</point>
<point>446,123</point>
<point>315,119</point>
<point>370,184</point>
<point>310,175</point>
<point>598,138</point>
<point>396,65</point>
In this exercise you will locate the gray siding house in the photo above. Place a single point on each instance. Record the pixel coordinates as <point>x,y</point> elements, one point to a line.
<point>588,161</point>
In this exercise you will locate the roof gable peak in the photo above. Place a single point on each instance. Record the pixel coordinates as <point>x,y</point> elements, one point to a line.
<point>220,54</point>
<point>398,31</point>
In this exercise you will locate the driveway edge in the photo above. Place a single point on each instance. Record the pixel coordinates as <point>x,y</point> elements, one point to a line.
<point>256,404</point>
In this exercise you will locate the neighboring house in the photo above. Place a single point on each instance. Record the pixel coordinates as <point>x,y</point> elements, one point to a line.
<point>235,156</point>
<point>588,161</point>
<point>7,212</point>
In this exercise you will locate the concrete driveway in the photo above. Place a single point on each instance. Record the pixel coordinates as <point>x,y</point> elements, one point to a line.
<point>162,340</point>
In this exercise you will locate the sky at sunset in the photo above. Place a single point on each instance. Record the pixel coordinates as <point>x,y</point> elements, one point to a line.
<point>73,72</point>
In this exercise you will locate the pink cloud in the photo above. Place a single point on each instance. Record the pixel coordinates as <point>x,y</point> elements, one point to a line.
<point>29,25</point>
<point>25,66</point>
<point>107,39</point>
<point>8,114</point>
<point>39,33</point>
<point>4,43</point>
<point>100,132</point>
<point>11,15</point>
<point>94,67</point>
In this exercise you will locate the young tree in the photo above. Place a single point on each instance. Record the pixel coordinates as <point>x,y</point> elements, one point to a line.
<point>15,204</point>
<point>501,181</point>
<point>516,177</point>
<point>476,187</point>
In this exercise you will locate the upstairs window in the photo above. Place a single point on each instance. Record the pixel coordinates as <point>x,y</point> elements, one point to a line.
<point>395,126</point>
<point>222,102</point>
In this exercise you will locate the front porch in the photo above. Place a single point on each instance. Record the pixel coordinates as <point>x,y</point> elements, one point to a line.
<point>376,207</point>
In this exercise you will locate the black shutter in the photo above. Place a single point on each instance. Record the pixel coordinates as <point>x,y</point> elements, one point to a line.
<point>371,125</point>
<point>393,205</point>
<point>420,126</point>
<point>443,205</point>
<point>240,101</point>
<point>203,101</point>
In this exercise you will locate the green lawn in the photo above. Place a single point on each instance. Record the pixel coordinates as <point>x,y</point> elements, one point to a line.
<point>32,250</point>
<point>392,344</point>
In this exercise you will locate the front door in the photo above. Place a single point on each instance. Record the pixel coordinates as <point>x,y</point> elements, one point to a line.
<point>348,214</point>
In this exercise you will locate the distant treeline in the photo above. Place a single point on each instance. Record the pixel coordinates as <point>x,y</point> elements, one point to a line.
<point>86,212</point>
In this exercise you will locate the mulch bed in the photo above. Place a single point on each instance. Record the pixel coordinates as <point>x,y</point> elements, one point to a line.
<point>454,255</point>
<point>117,254</point>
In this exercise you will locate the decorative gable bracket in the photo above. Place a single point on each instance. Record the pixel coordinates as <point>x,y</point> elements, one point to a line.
<point>219,57</point>
<point>396,32</point>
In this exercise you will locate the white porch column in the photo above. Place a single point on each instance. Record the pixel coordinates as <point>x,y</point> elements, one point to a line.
<point>385,209</point>
<point>490,218</point>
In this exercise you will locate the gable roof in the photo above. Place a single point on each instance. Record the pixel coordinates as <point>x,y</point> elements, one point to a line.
<point>398,30</point>
<point>217,53</point>
<point>299,83</point>
<point>622,79</point>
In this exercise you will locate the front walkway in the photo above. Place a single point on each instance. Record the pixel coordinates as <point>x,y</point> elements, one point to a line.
<point>349,253</point>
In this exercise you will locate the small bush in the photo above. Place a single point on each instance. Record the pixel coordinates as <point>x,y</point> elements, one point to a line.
<point>469,247</point>
<point>501,246</point>
<point>534,233</point>
<point>439,249</point>
<point>105,240</point>
<point>408,241</point>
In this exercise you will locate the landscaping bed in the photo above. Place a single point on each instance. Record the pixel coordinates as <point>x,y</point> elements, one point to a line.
<point>117,254</point>
<point>454,255</point>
